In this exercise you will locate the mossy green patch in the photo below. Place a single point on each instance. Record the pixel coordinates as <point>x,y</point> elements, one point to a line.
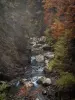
<point>49,38</point>
<point>66,80</point>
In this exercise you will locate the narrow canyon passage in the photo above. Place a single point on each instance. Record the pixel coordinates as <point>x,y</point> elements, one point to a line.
<point>37,50</point>
<point>35,72</point>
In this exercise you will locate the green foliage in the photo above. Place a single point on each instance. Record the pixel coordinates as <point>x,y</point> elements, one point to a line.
<point>66,80</point>
<point>61,48</point>
<point>51,65</point>
<point>3,86</point>
<point>2,91</point>
<point>49,38</point>
<point>61,60</point>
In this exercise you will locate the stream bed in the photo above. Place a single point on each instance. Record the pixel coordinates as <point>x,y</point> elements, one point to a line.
<point>39,59</point>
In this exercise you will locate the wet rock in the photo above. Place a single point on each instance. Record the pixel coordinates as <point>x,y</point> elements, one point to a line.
<point>49,55</point>
<point>40,58</point>
<point>35,39</point>
<point>46,47</point>
<point>37,99</point>
<point>29,84</point>
<point>34,44</point>
<point>46,70</point>
<point>23,81</point>
<point>40,79</point>
<point>36,51</point>
<point>47,81</point>
<point>37,45</point>
<point>42,39</point>
<point>44,81</point>
<point>44,92</point>
<point>46,62</point>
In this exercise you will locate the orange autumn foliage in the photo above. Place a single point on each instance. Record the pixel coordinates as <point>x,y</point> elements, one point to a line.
<point>57,28</point>
<point>65,12</point>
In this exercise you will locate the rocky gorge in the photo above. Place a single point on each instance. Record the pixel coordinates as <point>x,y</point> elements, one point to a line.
<point>17,20</point>
<point>35,82</point>
<point>35,63</point>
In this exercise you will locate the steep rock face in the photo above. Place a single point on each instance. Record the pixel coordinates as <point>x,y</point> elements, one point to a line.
<point>14,53</point>
<point>19,19</point>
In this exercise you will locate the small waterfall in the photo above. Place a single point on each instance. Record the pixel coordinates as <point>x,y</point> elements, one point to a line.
<point>34,81</point>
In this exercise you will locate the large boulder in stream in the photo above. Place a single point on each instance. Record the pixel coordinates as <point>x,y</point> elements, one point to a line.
<point>40,58</point>
<point>49,55</point>
<point>46,47</point>
<point>37,99</point>
<point>44,81</point>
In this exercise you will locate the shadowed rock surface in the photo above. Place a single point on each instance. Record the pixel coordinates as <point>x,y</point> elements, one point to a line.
<point>15,29</point>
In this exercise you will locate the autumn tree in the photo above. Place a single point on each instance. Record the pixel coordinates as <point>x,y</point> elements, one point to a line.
<point>59,16</point>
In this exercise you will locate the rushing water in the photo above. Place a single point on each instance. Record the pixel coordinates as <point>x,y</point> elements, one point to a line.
<point>37,72</point>
<point>32,74</point>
